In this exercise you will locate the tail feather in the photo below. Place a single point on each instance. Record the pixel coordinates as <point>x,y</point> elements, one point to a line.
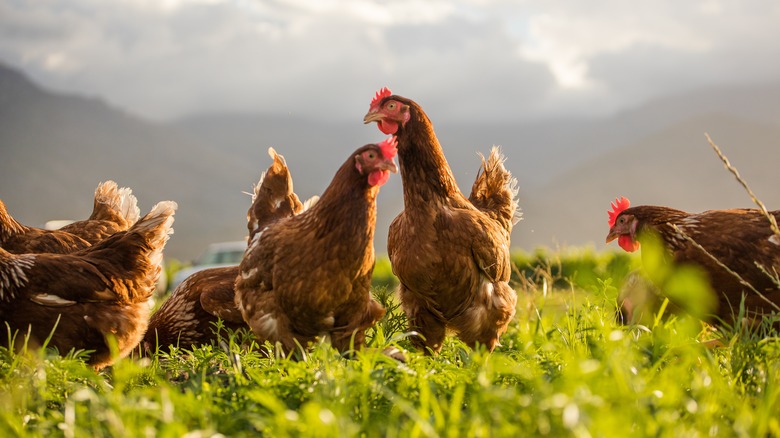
<point>495,190</point>
<point>136,254</point>
<point>115,204</point>
<point>272,197</point>
<point>156,228</point>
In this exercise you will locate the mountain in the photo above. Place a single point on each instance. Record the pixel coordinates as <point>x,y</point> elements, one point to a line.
<point>55,148</point>
<point>568,169</point>
<point>675,167</point>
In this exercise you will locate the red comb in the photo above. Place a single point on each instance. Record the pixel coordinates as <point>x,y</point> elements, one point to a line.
<point>618,206</point>
<point>388,147</point>
<point>381,94</point>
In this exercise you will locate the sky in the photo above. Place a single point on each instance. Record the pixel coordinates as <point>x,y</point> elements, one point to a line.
<point>465,59</point>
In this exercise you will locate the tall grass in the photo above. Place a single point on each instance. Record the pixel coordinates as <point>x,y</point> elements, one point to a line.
<point>565,368</point>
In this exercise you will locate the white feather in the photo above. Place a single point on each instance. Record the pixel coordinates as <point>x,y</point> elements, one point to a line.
<point>51,300</point>
<point>268,324</point>
<point>246,275</point>
<point>309,203</point>
<point>255,240</point>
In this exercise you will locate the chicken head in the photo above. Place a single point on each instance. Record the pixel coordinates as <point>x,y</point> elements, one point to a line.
<point>376,161</point>
<point>623,225</point>
<point>388,112</point>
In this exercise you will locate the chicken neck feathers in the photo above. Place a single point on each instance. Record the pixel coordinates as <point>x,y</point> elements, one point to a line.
<point>425,173</point>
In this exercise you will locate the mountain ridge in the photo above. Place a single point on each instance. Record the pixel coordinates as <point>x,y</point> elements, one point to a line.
<point>57,147</point>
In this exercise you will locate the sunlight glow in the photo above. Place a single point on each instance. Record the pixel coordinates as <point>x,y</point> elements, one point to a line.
<point>566,44</point>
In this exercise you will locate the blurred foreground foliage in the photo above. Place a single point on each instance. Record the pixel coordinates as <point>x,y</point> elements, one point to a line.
<point>575,267</point>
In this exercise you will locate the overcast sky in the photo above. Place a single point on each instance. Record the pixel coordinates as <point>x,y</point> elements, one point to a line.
<point>507,60</point>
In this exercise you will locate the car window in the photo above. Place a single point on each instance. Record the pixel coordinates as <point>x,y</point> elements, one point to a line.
<point>232,257</point>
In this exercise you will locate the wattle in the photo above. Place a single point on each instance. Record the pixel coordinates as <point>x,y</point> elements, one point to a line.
<point>388,127</point>
<point>378,177</point>
<point>627,243</point>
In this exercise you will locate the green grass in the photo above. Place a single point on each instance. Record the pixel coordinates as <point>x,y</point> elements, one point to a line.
<point>565,368</point>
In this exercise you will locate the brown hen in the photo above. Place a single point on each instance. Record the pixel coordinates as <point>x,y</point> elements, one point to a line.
<point>450,253</point>
<point>82,298</point>
<point>740,239</point>
<point>190,314</point>
<point>309,275</point>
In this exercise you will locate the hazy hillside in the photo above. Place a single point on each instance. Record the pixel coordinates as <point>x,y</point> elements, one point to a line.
<point>566,166</point>
<point>674,167</point>
<point>55,148</point>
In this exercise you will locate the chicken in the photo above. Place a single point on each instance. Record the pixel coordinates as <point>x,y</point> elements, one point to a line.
<point>450,253</point>
<point>310,275</point>
<point>81,299</point>
<point>114,210</point>
<point>190,315</point>
<point>740,239</point>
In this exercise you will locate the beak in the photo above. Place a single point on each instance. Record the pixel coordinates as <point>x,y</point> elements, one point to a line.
<point>389,165</point>
<point>372,117</point>
<point>612,235</point>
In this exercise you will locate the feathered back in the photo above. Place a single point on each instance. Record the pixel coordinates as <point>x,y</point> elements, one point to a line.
<point>273,197</point>
<point>20,239</point>
<point>115,204</point>
<point>495,190</point>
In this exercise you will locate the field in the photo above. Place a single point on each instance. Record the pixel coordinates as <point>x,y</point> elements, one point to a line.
<point>565,368</point>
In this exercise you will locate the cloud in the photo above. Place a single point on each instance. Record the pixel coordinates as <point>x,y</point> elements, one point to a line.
<point>567,39</point>
<point>468,58</point>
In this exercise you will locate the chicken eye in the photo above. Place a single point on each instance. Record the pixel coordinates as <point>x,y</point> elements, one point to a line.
<point>391,106</point>
<point>371,156</point>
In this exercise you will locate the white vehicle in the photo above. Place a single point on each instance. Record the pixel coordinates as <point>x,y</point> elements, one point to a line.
<point>216,255</point>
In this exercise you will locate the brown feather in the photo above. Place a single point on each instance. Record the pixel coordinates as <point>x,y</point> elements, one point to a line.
<point>273,196</point>
<point>99,291</point>
<point>451,254</point>
<point>309,275</point>
<point>740,239</point>
<point>114,210</point>
<point>495,190</point>
<point>188,316</point>
<point>20,239</point>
